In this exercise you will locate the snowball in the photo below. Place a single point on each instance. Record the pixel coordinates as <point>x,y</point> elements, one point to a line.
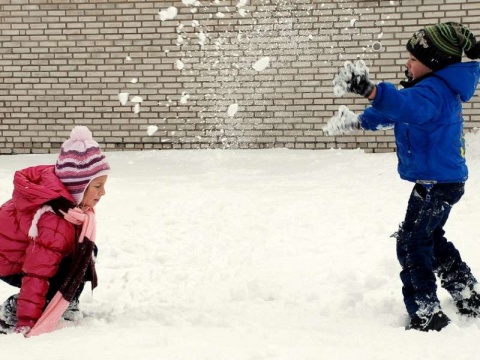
<point>137,99</point>
<point>123,98</point>
<point>136,108</point>
<point>202,38</point>
<point>232,110</point>
<point>184,98</point>
<point>262,64</point>
<point>180,40</point>
<point>168,14</point>
<point>134,81</point>
<point>152,129</point>
<point>180,65</point>
<point>191,2</point>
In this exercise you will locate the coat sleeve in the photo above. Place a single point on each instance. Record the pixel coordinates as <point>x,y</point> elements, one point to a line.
<point>55,240</point>
<point>372,119</point>
<point>416,105</point>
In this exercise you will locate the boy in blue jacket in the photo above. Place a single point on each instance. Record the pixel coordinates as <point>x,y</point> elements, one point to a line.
<point>428,126</point>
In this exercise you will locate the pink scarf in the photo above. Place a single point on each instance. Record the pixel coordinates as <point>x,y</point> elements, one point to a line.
<point>86,218</point>
<point>57,306</point>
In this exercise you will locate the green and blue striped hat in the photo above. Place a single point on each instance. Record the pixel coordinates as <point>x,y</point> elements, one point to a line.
<point>443,44</point>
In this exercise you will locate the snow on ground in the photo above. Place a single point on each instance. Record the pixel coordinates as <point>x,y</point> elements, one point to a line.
<point>252,255</point>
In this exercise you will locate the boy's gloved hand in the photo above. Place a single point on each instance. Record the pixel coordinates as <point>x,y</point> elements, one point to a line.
<point>343,122</point>
<point>353,78</point>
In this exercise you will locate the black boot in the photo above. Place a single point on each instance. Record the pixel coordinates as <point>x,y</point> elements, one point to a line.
<point>471,306</point>
<point>436,321</point>
<point>73,312</point>
<point>8,313</point>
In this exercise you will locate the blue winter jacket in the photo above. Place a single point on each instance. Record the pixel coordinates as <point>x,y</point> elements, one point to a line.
<point>428,122</point>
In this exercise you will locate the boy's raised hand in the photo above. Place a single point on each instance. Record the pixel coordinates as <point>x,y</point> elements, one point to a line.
<point>353,77</point>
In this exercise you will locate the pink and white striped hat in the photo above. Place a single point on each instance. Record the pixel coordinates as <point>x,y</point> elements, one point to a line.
<point>80,161</point>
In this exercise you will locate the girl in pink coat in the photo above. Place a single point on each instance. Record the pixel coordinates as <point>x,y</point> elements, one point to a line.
<point>37,239</point>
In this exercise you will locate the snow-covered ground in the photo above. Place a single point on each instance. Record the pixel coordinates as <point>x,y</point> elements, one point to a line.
<point>252,255</point>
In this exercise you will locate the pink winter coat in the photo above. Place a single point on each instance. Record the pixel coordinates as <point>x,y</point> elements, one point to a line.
<point>36,258</point>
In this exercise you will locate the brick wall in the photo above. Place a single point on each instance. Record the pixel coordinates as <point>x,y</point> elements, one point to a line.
<point>64,62</point>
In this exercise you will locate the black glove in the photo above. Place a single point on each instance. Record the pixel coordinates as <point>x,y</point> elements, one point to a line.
<point>361,85</point>
<point>353,78</point>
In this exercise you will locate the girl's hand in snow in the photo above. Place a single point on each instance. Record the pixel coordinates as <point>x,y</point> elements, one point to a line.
<point>21,330</point>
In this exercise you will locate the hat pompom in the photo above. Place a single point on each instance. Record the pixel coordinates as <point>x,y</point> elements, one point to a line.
<point>466,40</point>
<point>81,133</point>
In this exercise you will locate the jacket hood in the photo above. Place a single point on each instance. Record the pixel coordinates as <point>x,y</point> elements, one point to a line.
<point>35,186</point>
<point>461,78</point>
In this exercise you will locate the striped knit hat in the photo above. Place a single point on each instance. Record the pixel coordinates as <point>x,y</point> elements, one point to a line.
<point>80,161</point>
<point>443,44</point>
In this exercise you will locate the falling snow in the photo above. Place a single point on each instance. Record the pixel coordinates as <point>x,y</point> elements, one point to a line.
<point>262,64</point>
<point>152,129</point>
<point>228,57</point>
<point>168,14</point>
<point>232,110</point>
<point>123,98</point>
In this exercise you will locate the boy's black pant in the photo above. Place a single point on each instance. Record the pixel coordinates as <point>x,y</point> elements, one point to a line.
<point>422,249</point>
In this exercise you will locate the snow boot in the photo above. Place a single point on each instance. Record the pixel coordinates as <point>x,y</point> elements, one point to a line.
<point>73,312</point>
<point>436,321</point>
<point>8,314</point>
<point>471,306</point>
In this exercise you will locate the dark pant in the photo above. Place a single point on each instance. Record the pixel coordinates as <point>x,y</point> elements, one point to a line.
<point>56,281</point>
<point>422,249</point>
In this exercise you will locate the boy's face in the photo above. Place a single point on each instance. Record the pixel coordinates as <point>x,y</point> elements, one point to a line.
<point>95,190</point>
<point>415,68</point>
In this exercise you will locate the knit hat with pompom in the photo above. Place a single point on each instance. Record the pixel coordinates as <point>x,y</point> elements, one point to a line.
<point>80,161</point>
<point>443,44</point>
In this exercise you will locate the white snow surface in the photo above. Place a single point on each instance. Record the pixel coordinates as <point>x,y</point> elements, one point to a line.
<point>253,255</point>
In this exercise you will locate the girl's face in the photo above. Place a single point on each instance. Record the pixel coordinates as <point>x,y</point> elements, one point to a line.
<point>95,190</point>
<point>415,68</point>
